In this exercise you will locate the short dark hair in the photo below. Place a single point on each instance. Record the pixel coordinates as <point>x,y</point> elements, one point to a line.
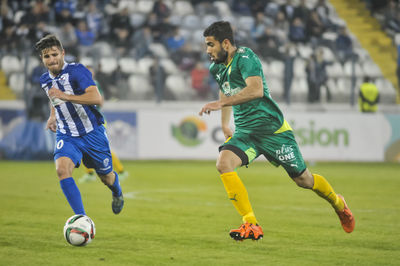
<point>220,30</point>
<point>48,41</point>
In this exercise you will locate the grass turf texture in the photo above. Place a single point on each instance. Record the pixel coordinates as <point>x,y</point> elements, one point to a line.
<point>177,213</point>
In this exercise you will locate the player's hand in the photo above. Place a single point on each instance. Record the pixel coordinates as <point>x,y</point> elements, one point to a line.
<point>51,124</point>
<point>212,106</point>
<point>56,93</point>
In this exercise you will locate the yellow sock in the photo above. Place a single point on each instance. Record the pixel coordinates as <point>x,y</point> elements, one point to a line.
<point>237,193</point>
<point>325,190</point>
<point>117,165</point>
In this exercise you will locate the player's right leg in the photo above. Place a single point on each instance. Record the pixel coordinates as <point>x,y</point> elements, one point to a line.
<point>67,155</point>
<point>227,162</point>
<point>64,168</point>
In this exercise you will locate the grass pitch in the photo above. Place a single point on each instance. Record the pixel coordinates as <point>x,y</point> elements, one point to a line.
<point>177,213</point>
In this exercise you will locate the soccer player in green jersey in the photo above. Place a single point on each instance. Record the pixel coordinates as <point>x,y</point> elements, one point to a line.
<point>260,129</point>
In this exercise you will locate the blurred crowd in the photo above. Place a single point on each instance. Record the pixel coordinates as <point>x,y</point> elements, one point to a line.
<point>172,29</point>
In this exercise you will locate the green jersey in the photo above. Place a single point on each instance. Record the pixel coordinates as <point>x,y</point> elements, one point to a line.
<point>258,115</point>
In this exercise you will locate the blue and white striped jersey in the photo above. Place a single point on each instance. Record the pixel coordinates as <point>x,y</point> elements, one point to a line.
<point>72,119</point>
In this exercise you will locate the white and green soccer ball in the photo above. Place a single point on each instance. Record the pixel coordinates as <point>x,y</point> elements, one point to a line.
<point>79,230</point>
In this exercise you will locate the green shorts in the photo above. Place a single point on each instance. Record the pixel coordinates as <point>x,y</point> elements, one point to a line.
<point>279,149</point>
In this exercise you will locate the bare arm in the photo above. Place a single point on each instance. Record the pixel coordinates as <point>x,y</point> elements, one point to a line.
<point>91,96</point>
<point>51,122</point>
<point>225,118</point>
<point>253,90</point>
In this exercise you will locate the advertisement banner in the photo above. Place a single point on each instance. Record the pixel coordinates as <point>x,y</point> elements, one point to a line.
<point>182,134</point>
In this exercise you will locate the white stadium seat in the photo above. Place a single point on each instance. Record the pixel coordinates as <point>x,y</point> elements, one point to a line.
<point>16,83</point>
<point>140,87</point>
<point>108,64</point>
<point>144,6</point>
<point>10,64</point>
<point>191,22</point>
<point>169,66</point>
<point>182,8</point>
<point>128,65</point>
<point>143,65</point>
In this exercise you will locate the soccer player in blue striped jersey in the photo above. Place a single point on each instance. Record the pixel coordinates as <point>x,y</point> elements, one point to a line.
<point>81,135</point>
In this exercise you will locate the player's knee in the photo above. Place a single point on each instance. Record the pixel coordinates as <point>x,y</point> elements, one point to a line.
<point>62,172</point>
<point>223,166</point>
<point>305,180</point>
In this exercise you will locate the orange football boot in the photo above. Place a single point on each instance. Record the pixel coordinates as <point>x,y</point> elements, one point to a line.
<point>247,231</point>
<point>346,217</point>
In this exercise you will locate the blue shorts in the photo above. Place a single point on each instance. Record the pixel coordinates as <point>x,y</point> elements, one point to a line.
<point>93,149</point>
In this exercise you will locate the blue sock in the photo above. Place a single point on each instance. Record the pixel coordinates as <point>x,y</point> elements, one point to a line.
<point>116,188</point>
<point>73,195</point>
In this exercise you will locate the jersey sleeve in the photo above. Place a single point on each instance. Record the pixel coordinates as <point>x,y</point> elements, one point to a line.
<point>83,77</point>
<point>249,65</point>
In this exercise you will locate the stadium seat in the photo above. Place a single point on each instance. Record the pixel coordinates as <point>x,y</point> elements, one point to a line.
<point>245,23</point>
<point>275,86</point>
<point>169,66</point>
<point>144,6</point>
<point>182,8</point>
<point>223,7</point>
<point>276,69</point>
<point>299,68</point>
<point>103,48</point>
<point>299,90</point>
<point>143,65</point>
<point>207,20</point>
<point>348,71</point>
<point>328,54</point>
<point>137,20</point>
<point>128,65</point>
<point>335,70</point>
<point>108,64</point>
<point>371,69</point>
<point>87,61</point>
<point>191,22</point>
<point>179,87</point>
<point>33,61</point>
<point>305,51</point>
<point>16,82</point>
<point>175,20</point>
<point>140,87</point>
<point>10,64</point>
<point>197,36</point>
<point>158,50</point>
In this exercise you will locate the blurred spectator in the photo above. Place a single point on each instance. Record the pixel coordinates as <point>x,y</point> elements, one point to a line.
<point>269,44</point>
<point>67,36</point>
<point>120,20</point>
<point>281,26</point>
<point>397,43</point>
<point>185,58</point>
<point>142,40</point>
<point>9,41</point>
<point>324,13</point>
<point>37,103</point>
<point>301,11</point>
<point>118,85</point>
<point>65,10</point>
<point>288,10</point>
<point>85,37</point>
<point>315,27</point>
<point>123,42</point>
<point>158,77</point>
<point>288,59</point>
<point>317,76</point>
<point>241,7</point>
<point>368,97</point>
<point>94,19</point>
<point>161,10</point>
<point>104,81</point>
<point>111,8</point>
<point>200,77</point>
<point>392,16</point>
<point>343,45</point>
<point>297,31</point>
<point>260,23</point>
<point>204,7</point>
<point>175,41</point>
<point>257,6</point>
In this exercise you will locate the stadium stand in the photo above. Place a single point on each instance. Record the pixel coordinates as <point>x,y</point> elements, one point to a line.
<point>263,26</point>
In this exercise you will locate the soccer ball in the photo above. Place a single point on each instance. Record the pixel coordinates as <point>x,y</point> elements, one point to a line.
<point>79,230</point>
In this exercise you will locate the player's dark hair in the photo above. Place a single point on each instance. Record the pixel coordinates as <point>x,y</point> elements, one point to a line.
<point>48,41</point>
<point>220,30</point>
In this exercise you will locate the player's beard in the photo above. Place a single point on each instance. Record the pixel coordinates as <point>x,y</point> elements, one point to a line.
<point>221,56</point>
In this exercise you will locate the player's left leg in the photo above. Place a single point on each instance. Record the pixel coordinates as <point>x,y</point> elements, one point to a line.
<point>323,189</point>
<point>112,182</point>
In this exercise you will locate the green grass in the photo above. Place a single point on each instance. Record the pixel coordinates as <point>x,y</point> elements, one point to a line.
<point>177,213</point>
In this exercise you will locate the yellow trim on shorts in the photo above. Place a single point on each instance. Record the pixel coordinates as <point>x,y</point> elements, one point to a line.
<point>285,127</point>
